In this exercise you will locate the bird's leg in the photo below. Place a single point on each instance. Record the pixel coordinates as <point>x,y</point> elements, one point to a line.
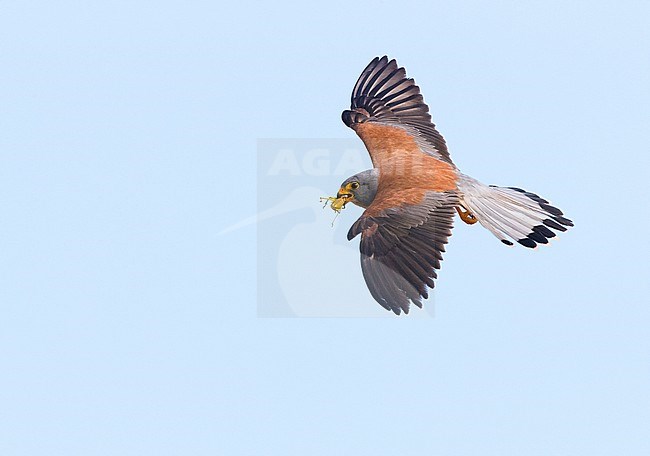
<point>466,216</point>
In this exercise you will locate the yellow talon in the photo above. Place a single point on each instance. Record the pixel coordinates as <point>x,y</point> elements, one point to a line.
<point>466,216</point>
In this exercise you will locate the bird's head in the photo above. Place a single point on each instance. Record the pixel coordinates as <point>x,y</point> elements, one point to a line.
<point>359,189</point>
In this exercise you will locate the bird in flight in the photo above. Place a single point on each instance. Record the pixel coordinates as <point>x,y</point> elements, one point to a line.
<point>414,190</point>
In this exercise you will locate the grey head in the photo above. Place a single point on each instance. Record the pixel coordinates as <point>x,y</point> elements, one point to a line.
<point>361,188</point>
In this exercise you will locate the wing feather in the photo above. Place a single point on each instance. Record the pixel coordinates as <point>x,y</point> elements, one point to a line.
<point>401,249</point>
<point>385,95</point>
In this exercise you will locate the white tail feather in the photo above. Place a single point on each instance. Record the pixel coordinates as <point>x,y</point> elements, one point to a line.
<point>512,214</point>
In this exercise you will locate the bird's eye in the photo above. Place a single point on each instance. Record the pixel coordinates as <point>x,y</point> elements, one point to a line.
<point>354,185</point>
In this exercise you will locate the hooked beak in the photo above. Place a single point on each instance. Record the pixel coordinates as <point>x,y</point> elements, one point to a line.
<point>342,198</point>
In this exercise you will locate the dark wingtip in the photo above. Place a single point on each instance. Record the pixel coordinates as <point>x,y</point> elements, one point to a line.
<point>553,224</point>
<point>526,242</point>
<point>351,233</point>
<point>538,237</point>
<point>544,231</point>
<point>564,221</point>
<point>347,116</point>
<point>551,209</point>
<point>351,118</point>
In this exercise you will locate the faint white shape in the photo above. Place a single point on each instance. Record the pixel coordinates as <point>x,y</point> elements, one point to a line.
<point>289,204</point>
<point>322,278</point>
<point>318,276</point>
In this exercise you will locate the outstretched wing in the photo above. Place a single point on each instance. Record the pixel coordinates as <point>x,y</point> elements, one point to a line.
<point>401,249</point>
<point>384,95</point>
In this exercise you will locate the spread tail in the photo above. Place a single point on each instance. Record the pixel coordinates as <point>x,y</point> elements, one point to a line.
<point>512,214</point>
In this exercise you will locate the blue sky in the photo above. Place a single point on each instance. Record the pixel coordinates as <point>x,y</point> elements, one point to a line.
<point>131,323</point>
